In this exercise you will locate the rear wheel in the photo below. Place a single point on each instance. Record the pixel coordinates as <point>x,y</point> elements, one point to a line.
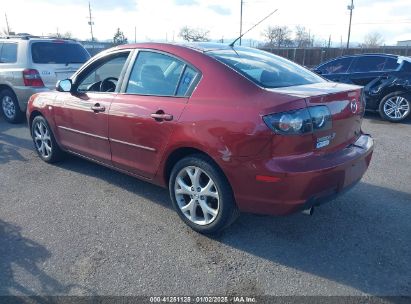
<point>44,141</point>
<point>395,107</point>
<point>10,108</point>
<point>201,195</point>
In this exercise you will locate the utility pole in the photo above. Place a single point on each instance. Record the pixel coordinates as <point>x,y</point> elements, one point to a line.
<point>90,22</point>
<point>241,19</point>
<point>7,24</point>
<point>350,8</point>
<point>135,34</point>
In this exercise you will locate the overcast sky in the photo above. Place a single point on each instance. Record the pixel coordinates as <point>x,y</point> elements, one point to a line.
<point>161,19</point>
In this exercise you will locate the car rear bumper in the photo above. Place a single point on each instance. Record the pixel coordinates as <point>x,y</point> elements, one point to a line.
<point>24,93</point>
<point>299,182</point>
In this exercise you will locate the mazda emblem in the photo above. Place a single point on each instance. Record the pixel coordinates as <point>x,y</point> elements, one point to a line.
<point>354,106</point>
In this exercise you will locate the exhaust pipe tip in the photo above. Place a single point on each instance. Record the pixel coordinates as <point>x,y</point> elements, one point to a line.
<point>308,211</point>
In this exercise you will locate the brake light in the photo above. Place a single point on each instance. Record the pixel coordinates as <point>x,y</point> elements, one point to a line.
<point>300,121</point>
<point>32,78</point>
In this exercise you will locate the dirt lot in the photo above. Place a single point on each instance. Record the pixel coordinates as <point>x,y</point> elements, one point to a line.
<point>79,228</point>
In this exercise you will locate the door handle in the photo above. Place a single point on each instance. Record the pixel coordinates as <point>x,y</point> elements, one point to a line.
<point>98,108</point>
<point>160,116</point>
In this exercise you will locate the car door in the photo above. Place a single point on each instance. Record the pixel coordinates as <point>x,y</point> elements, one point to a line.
<point>336,70</point>
<point>365,69</point>
<point>143,116</point>
<point>81,116</point>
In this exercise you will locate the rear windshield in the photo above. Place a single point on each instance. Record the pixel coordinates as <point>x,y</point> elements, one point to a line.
<point>265,69</point>
<point>58,52</point>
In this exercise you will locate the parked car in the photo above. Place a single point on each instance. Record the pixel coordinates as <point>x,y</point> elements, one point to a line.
<point>29,65</point>
<point>386,79</point>
<point>225,129</point>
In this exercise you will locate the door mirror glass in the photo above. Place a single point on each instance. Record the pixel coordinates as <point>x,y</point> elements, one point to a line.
<point>64,85</point>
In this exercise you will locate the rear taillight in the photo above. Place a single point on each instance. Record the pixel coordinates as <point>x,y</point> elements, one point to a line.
<point>300,121</point>
<point>32,78</point>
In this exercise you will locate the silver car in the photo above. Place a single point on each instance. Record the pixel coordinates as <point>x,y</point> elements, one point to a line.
<point>29,65</point>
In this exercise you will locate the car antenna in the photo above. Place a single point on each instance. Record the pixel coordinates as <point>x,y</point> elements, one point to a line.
<point>255,25</point>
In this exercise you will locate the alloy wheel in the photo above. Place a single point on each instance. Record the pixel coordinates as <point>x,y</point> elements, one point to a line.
<point>9,109</point>
<point>397,107</point>
<point>42,139</point>
<point>197,195</point>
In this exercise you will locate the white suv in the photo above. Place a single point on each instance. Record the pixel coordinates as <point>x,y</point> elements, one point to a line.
<point>30,64</point>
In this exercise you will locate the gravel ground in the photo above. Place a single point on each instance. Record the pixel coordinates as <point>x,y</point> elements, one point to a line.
<point>77,228</point>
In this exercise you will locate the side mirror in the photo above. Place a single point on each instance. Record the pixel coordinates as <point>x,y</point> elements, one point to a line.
<point>64,85</point>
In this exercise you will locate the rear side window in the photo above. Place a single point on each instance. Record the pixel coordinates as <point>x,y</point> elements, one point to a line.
<point>369,64</point>
<point>336,66</point>
<point>186,81</point>
<point>155,74</point>
<point>8,53</point>
<point>391,64</point>
<point>265,69</point>
<point>58,53</point>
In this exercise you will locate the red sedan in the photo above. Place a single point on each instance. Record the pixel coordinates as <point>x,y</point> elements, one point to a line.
<point>225,129</point>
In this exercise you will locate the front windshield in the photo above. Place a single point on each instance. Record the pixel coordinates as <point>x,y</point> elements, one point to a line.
<point>265,69</point>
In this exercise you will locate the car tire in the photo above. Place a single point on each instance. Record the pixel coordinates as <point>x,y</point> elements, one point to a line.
<point>44,141</point>
<point>9,107</point>
<point>198,181</point>
<point>395,107</point>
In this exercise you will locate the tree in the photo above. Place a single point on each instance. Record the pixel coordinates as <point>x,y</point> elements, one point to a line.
<point>194,35</point>
<point>66,35</point>
<point>372,40</point>
<point>119,38</point>
<point>278,36</point>
<point>302,37</point>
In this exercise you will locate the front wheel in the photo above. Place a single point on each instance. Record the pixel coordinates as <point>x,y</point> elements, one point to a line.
<point>44,141</point>
<point>395,107</point>
<point>201,195</point>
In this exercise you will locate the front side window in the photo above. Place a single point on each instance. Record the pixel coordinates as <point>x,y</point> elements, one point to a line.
<point>336,66</point>
<point>368,64</point>
<point>265,69</point>
<point>8,53</point>
<point>155,74</point>
<point>58,52</point>
<point>103,75</point>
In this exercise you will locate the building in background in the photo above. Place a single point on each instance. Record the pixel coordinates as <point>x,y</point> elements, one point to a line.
<point>404,43</point>
<point>95,47</point>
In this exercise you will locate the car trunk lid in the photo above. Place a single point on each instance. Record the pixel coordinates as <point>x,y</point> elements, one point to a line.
<point>346,108</point>
<point>51,73</point>
<point>57,59</point>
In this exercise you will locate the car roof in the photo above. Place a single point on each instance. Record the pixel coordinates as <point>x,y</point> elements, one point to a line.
<point>359,55</point>
<point>17,38</point>
<point>202,47</point>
